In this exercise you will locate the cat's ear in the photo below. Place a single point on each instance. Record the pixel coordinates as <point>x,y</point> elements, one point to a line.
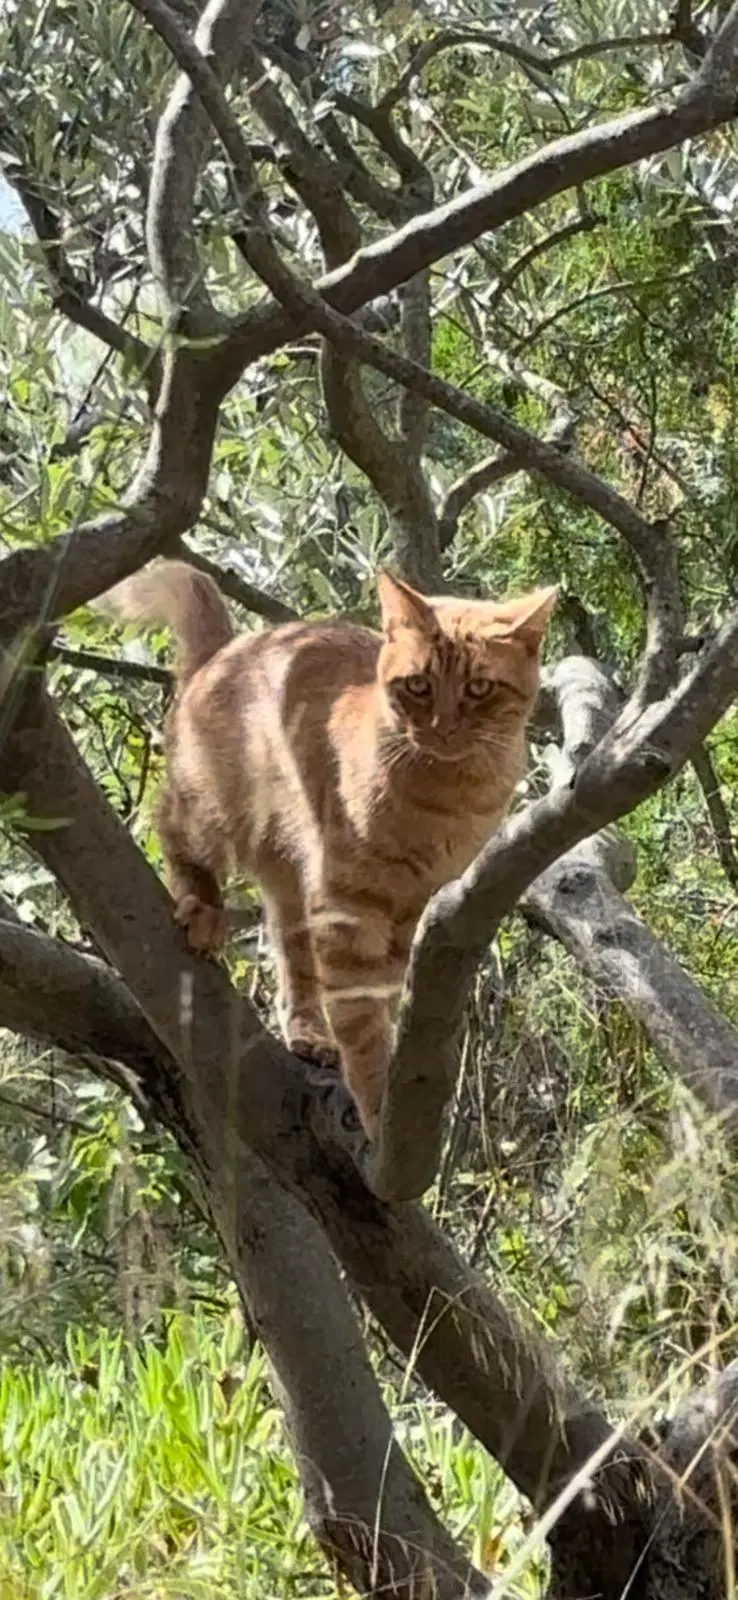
<point>401,606</point>
<point>526,618</point>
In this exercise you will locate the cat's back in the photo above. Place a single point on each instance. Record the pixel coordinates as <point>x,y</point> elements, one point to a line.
<point>296,665</point>
<point>259,719</point>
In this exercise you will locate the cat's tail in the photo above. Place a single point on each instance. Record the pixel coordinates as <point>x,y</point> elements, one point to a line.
<point>172,594</point>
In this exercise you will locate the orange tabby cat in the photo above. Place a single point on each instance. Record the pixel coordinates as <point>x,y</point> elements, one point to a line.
<point>349,773</point>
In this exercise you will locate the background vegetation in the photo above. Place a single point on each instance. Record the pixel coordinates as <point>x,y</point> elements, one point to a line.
<point>142,1452</point>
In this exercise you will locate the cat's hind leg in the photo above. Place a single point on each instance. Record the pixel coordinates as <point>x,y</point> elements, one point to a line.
<point>352,944</point>
<point>299,1007</point>
<point>194,856</point>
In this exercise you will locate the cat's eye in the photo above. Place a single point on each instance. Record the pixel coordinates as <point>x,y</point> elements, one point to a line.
<point>418,684</point>
<point>478,688</point>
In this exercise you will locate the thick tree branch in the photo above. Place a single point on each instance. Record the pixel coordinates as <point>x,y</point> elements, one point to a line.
<point>583,705</point>
<point>353,420</point>
<point>52,993</point>
<point>685,29</point>
<point>500,1381</point>
<point>577,900</point>
<point>182,139</point>
<point>499,1378</point>
<point>392,466</point>
<point>633,760</point>
<point>363,1501</point>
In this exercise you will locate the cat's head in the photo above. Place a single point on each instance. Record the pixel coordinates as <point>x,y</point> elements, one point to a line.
<point>459,675</point>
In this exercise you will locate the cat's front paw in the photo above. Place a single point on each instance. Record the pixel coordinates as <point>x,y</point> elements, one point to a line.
<point>206,925</point>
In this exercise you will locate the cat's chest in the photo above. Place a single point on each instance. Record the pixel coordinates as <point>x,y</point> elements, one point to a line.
<point>428,826</point>
<point>433,840</point>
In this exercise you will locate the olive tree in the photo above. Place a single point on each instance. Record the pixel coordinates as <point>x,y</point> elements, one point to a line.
<point>246,208</point>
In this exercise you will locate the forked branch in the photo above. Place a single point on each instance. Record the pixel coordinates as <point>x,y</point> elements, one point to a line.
<point>500,1378</point>
<point>363,1501</point>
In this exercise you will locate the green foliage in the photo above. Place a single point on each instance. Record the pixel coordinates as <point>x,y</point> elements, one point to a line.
<point>155,1469</point>
<point>160,1468</point>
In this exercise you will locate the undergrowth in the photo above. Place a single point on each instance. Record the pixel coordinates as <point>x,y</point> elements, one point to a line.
<point>161,1469</point>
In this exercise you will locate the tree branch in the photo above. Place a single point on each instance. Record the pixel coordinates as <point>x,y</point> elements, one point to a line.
<point>579,224</point>
<point>109,666</point>
<point>234,1089</point>
<point>70,294</point>
<point>237,588</point>
<point>52,993</point>
<point>500,1378</point>
<point>577,900</point>
<point>53,579</point>
<point>182,139</point>
<point>313,176</point>
<point>650,543</point>
<point>417,336</point>
<point>363,1501</point>
<point>503,463</point>
<point>454,38</point>
<point>657,564</point>
<point>47,581</point>
<point>577,903</point>
<point>392,467</point>
<point>43,582</point>
<point>353,421</point>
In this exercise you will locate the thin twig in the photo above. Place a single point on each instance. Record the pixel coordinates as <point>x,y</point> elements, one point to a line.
<point>455,38</point>
<point>110,666</point>
<point>717,811</point>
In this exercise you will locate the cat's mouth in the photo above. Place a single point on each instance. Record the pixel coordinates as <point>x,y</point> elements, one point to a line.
<point>439,751</point>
